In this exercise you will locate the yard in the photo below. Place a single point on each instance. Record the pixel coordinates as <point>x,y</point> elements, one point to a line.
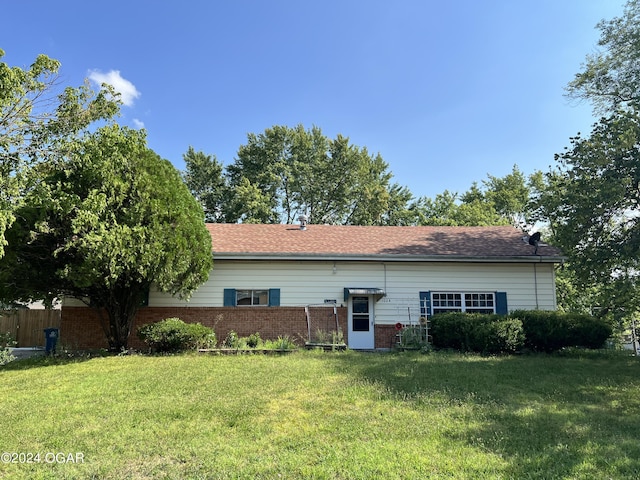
<point>343,415</point>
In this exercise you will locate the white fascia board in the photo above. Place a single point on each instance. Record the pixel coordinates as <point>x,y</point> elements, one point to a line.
<point>390,258</point>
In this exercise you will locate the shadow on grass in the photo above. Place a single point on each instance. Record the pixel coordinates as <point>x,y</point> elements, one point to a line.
<point>547,416</point>
<point>40,361</point>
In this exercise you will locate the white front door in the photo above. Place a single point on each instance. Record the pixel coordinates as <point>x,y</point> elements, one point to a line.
<point>361,332</point>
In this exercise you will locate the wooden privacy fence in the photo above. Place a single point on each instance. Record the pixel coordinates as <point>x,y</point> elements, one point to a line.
<point>26,326</point>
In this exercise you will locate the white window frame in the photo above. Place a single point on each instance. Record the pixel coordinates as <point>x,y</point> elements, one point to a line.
<point>466,302</point>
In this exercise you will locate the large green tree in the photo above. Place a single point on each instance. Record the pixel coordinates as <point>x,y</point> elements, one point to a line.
<point>497,201</point>
<point>610,77</point>
<point>205,180</point>
<point>102,225</point>
<point>593,207</point>
<point>591,199</point>
<point>285,172</point>
<point>36,119</point>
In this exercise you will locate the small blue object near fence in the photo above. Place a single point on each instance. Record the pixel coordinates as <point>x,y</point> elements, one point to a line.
<point>51,338</point>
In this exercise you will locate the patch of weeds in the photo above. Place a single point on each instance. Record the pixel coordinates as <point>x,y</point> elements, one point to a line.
<point>281,343</point>
<point>414,337</point>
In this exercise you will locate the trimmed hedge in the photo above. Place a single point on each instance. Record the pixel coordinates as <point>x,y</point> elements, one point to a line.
<point>474,332</point>
<point>174,335</point>
<point>543,331</point>
<point>551,331</point>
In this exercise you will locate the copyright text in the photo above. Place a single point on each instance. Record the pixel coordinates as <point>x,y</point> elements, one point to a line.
<point>38,457</point>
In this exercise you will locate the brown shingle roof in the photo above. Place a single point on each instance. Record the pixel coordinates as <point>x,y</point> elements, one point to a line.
<point>364,241</point>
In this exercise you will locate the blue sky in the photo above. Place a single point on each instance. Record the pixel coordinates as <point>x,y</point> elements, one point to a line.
<point>446,91</point>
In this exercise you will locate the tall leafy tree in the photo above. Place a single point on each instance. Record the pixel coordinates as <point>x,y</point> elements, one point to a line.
<point>593,206</point>
<point>262,171</point>
<point>511,194</point>
<point>499,201</point>
<point>102,225</point>
<point>249,204</point>
<point>610,78</point>
<point>285,172</point>
<point>440,210</point>
<point>35,121</point>
<point>322,173</point>
<point>591,197</point>
<point>403,209</point>
<point>205,180</point>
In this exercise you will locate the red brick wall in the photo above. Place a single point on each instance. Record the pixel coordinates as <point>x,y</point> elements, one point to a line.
<point>80,327</point>
<point>385,336</point>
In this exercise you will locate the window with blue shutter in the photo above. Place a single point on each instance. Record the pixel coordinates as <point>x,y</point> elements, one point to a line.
<point>238,298</point>
<point>425,304</point>
<point>433,303</point>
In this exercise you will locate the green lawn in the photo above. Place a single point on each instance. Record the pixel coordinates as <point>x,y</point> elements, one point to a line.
<point>323,415</point>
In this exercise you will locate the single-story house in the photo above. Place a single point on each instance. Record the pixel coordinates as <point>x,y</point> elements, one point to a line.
<point>273,279</point>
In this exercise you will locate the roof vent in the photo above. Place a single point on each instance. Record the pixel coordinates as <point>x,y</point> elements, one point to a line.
<point>303,221</point>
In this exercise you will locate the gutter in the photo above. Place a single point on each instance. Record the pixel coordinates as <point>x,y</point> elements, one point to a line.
<point>390,258</point>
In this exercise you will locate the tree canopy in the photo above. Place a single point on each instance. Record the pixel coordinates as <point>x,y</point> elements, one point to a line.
<point>592,198</point>
<point>285,172</point>
<point>35,122</point>
<point>498,201</point>
<point>610,78</point>
<point>102,225</point>
<point>592,205</point>
<point>204,179</point>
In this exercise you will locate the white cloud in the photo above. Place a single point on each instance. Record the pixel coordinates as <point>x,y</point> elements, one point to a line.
<point>128,91</point>
<point>138,123</point>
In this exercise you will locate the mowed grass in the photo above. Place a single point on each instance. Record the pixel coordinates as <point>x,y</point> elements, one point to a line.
<point>324,415</point>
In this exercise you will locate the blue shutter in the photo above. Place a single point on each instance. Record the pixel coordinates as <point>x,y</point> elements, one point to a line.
<point>274,297</point>
<point>425,298</point>
<point>229,297</point>
<point>501,303</point>
<point>346,294</point>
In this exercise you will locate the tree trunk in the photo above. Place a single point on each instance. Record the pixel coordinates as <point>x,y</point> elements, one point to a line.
<point>120,323</point>
<point>121,310</point>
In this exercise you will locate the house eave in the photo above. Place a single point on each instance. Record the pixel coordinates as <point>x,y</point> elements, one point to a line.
<point>389,258</point>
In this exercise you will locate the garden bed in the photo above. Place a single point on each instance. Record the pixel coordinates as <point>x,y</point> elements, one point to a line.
<point>325,346</point>
<point>245,351</point>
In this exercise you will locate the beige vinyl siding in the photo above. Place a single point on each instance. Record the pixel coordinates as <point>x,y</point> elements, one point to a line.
<point>528,286</point>
<point>72,302</point>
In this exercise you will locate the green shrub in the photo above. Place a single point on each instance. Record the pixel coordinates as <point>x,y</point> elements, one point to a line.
<point>5,356</point>
<point>7,340</point>
<point>550,331</point>
<point>254,340</point>
<point>545,331</point>
<point>474,332</point>
<point>451,330</point>
<point>232,340</point>
<point>173,335</point>
<point>589,332</point>
<point>503,335</point>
